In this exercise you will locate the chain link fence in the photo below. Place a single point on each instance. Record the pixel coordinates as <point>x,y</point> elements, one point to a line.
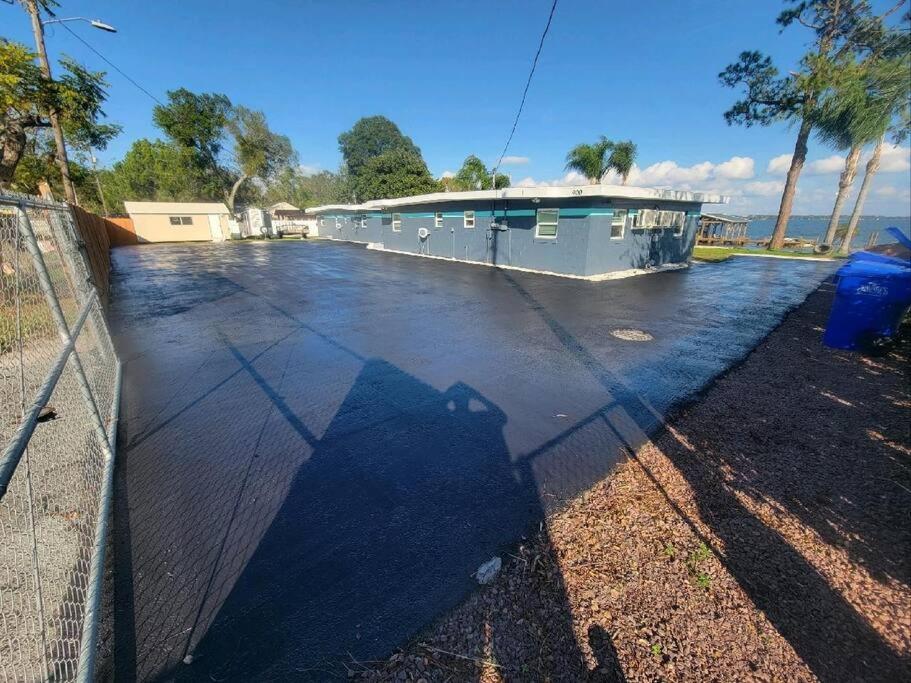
<point>59,401</point>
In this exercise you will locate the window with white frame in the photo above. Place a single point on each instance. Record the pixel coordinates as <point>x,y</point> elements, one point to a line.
<point>181,220</point>
<point>618,224</point>
<point>547,223</point>
<point>322,221</point>
<point>396,222</point>
<point>438,219</point>
<point>468,219</point>
<point>338,223</point>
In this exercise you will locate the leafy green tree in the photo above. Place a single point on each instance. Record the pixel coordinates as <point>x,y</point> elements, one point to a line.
<point>769,97</point>
<point>326,187</point>
<point>258,151</point>
<point>196,121</point>
<point>396,173</point>
<point>288,185</point>
<point>155,170</point>
<point>38,165</point>
<point>26,96</point>
<point>474,175</point>
<point>369,138</point>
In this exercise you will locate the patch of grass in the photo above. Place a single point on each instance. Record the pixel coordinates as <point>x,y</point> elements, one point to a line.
<point>717,254</point>
<point>36,322</point>
<point>711,254</point>
<point>656,649</point>
<point>693,562</point>
<point>670,550</point>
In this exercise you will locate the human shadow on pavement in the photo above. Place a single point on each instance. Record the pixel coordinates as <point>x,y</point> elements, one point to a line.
<point>405,494</point>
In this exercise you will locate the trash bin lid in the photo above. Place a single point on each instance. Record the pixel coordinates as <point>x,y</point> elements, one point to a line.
<point>874,269</point>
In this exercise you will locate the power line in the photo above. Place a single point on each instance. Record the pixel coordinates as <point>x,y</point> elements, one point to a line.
<point>110,63</point>
<point>531,74</point>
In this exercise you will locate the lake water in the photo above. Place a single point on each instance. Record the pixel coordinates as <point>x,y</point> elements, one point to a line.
<point>812,226</point>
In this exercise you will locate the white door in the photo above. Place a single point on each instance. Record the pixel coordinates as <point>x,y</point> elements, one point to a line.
<point>215,228</point>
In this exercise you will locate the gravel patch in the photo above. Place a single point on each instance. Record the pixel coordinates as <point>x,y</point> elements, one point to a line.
<point>763,535</point>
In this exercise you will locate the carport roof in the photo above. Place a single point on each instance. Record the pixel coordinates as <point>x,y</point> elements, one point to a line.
<point>577,191</point>
<point>175,208</point>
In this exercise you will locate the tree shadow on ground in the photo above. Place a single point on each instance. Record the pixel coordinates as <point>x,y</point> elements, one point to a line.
<point>825,630</point>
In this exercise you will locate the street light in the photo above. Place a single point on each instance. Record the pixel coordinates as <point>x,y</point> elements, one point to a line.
<point>33,9</point>
<point>97,23</point>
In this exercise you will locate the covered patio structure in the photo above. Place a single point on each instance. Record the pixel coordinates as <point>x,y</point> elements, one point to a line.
<point>721,229</point>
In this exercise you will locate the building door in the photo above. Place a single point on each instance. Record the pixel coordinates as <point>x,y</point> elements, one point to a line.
<point>215,228</point>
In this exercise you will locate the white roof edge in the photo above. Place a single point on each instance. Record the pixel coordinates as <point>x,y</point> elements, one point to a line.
<point>557,192</point>
<point>175,207</point>
<point>340,207</point>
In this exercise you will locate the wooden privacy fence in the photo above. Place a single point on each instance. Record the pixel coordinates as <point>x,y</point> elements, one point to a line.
<point>94,231</point>
<point>121,231</point>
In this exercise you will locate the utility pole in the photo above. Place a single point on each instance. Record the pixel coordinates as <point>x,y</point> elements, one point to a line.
<point>62,161</point>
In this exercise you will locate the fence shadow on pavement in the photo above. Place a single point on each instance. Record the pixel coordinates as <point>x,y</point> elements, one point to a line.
<point>364,517</point>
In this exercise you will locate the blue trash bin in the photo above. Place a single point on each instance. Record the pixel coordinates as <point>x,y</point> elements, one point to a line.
<point>870,301</point>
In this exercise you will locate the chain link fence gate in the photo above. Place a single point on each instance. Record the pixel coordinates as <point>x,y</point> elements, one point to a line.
<point>59,391</point>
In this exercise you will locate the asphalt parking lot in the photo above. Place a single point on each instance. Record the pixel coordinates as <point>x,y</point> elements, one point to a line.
<point>319,443</point>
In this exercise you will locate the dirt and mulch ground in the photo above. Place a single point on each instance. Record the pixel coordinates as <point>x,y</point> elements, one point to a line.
<point>764,535</point>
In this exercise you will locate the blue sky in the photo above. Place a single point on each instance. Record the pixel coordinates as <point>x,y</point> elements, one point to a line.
<point>451,75</point>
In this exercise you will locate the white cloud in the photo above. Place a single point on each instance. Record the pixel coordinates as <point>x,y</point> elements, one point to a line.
<point>779,164</point>
<point>308,170</point>
<point>662,174</point>
<point>571,178</point>
<point>832,164</point>
<point>763,188</point>
<point>895,159</point>
<point>514,161</point>
<point>448,174</point>
<point>736,167</point>
<point>886,191</point>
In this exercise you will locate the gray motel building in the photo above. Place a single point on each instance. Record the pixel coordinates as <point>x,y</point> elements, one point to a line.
<point>593,232</point>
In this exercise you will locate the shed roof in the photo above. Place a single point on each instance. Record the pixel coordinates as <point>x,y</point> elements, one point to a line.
<point>143,208</point>
<point>576,191</point>
<point>283,206</point>
<point>725,218</point>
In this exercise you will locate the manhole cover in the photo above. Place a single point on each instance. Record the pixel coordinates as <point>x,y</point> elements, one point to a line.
<point>632,335</point>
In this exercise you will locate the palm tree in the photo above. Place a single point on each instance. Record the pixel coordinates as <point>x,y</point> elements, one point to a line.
<point>593,161</point>
<point>590,160</point>
<point>622,158</point>
<point>870,101</point>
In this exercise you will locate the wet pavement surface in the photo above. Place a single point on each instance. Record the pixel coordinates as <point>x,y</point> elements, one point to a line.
<point>319,443</point>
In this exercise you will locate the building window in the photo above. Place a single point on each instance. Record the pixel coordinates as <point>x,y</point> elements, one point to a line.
<point>678,220</point>
<point>338,223</point>
<point>362,221</point>
<point>646,218</point>
<point>547,223</point>
<point>438,219</point>
<point>618,224</point>
<point>396,222</point>
<point>322,222</point>
<point>181,220</point>
<point>469,219</point>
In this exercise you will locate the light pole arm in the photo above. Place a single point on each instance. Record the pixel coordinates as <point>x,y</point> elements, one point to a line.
<point>97,23</point>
